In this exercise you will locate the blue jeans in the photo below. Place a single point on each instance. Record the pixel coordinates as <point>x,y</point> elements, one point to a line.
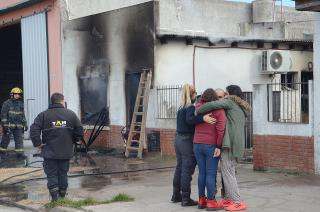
<point>207,165</point>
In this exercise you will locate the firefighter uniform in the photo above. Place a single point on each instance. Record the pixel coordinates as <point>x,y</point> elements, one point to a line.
<point>56,129</point>
<point>13,121</point>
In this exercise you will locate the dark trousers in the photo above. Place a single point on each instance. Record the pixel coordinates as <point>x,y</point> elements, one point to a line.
<point>186,164</point>
<point>57,174</point>
<point>17,136</point>
<point>208,166</point>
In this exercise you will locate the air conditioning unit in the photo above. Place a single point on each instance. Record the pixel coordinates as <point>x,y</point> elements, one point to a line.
<point>275,61</point>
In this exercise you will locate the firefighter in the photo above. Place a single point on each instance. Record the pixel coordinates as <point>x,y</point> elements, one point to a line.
<point>54,132</point>
<point>13,121</point>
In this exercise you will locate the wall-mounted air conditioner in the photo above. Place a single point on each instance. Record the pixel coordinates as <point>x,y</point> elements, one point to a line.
<point>275,61</point>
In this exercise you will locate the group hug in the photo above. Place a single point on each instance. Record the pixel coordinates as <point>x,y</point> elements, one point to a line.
<point>210,128</point>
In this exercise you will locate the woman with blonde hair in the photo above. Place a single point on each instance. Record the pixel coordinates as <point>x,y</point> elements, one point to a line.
<point>186,162</point>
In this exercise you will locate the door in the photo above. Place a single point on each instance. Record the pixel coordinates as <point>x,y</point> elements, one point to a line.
<point>131,86</point>
<point>35,65</point>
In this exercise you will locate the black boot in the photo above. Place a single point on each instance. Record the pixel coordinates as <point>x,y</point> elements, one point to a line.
<point>54,195</point>
<point>21,156</point>
<point>176,196</point>
<point>62,193</point>
<point>187,201</point>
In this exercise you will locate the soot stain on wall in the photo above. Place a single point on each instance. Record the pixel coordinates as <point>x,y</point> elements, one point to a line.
<point>133,27</point>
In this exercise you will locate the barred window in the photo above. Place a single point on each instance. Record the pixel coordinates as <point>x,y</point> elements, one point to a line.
<point>288,100</point>
<point>168,101</point>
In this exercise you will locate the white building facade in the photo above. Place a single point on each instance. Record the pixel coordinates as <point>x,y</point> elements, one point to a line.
<point>207,43</point>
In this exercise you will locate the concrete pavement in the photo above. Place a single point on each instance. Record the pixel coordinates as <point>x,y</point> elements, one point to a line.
<point>263,192</point>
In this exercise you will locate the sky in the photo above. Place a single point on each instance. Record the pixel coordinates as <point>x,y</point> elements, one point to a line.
<point>284,2</point>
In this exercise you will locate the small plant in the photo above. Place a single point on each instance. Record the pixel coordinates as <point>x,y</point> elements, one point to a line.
<point>122,198</point>
<point>88,201</point>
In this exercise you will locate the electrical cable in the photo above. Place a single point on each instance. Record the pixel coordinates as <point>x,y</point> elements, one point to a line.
<point>18,175</point>
<point>96,174</point>
<point>37,161</point>
<point>102,118</point>
<point>97,128</point>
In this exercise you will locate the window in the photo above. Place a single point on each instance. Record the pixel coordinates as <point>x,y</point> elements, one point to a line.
<point>168,100</point>
<point>287,100</point>
<point>288,80</point>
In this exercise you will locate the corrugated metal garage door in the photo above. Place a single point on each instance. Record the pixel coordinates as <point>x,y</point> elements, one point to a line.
<point>35,65</point>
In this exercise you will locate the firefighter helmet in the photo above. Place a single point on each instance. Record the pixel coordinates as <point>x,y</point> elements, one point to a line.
<point>16,90</point>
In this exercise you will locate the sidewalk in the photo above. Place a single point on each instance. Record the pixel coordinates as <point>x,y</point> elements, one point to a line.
<point>263,192</point>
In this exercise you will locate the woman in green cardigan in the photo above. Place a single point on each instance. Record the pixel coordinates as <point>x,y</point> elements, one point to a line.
<point>233,143</point>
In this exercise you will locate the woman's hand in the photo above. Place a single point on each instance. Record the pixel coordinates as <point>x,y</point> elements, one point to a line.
<point>208,119</point>
<point>217,152</point>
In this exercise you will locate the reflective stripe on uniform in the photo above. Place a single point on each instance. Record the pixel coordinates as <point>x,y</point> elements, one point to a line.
<point>3,149</point>
<point>12,125</point>
<point>19,150</point>
<point>15,112</point>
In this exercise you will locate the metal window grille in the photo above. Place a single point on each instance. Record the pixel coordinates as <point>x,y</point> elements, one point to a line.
<point>248,131</point>
<point>288,101</point>
<point>168,100</point>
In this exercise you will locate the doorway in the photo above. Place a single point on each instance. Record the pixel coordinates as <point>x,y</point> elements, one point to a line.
<point>11,74</point>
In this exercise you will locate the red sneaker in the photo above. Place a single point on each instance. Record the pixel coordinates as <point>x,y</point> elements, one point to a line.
<point>202,202</point>
<point>213,205</point>
<point>226,202</point>
<point>236,207</point>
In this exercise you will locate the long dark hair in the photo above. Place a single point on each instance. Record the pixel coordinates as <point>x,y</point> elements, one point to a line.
<point>209,95</point>
<point>235,90</point>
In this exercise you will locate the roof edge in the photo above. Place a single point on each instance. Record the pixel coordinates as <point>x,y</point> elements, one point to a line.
<point>20,5</point>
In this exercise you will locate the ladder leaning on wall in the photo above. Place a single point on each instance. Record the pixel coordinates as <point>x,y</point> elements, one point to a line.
<point>137,133</point>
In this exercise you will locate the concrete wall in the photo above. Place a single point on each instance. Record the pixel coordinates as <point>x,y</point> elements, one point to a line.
<point>213,18</point>
<point>123,37</point>
<point>316,108</point>
<point>261,125</point>
<point>218,18</point>
<point>205,17</point>
<point>214,68</point>
<point>82,8</point>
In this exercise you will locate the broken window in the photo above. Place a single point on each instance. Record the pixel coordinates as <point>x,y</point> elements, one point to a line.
<point>93,84</point>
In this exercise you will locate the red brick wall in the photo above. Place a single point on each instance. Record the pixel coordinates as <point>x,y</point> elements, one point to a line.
<point>109,138</point>
<point>289,153</point>
<point>167,139</point>
<point>112,139</point>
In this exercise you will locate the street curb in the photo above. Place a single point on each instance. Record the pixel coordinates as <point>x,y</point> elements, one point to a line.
<point>66,209</point>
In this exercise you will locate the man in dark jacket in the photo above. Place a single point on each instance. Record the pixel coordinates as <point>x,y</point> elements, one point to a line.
<point>13,121</point>
<point>60,129</point>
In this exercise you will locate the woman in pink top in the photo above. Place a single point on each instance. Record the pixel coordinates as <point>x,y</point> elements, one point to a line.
<point>207,143</point>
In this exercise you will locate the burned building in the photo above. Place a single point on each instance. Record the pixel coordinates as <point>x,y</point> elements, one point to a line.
<point>100,48</point>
